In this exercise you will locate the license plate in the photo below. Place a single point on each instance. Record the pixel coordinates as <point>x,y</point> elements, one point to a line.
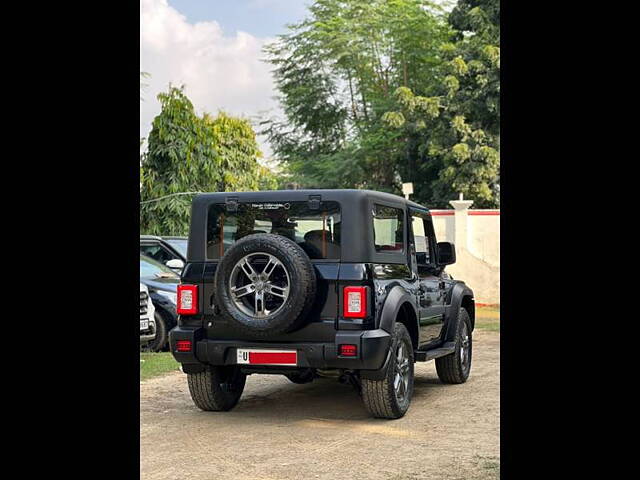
<point>144,324</point>
<point>267,357</point>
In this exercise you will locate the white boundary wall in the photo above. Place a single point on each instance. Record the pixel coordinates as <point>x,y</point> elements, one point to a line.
<point>476,235</point>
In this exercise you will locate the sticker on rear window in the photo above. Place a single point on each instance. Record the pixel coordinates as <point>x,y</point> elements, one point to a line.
<point>271,206</point>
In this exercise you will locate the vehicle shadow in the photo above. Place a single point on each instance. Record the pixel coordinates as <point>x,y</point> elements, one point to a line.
<point>424,386</point>
<point>323,399</point>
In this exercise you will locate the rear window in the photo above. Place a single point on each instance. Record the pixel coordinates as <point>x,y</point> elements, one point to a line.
<point>388,229</point>
<point>317,231</point>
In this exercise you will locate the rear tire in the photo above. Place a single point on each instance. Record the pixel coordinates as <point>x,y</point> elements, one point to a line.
<point>391,396</point>
<point>216,389</point>
<point>455,367</point>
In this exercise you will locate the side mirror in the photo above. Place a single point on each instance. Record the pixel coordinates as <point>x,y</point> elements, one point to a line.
<point>446,253</point>
<point>175,264</point>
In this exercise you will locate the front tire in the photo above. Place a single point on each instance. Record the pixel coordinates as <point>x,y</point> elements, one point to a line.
<point>391,396</point>
<point>158,343</point>
<point>455,367</point>
<point>216,389</point>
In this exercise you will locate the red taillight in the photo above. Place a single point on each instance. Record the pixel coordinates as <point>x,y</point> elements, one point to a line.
<point>187,299</point>
<point>183,346</point>
<point>348,350</point>
<point>354,304</point>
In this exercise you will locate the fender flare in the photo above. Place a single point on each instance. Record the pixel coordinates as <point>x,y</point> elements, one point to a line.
<point>458,292</point>
<point>396,297</point>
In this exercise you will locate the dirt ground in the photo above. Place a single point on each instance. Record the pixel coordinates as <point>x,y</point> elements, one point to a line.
<point>321,430</point>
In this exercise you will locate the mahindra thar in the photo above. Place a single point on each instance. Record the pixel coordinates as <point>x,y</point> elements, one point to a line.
<point>318,283</point>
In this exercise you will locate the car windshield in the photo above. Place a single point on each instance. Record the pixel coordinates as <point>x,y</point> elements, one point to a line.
<point>180,244</point>
<point>149,268</point>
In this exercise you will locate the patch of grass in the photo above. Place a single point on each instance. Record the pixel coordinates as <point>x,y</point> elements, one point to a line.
<point>488,318</point>
<point>154,364</point>
<point>489,465</point>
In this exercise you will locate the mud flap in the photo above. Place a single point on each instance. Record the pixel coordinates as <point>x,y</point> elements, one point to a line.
<point>377,374</point>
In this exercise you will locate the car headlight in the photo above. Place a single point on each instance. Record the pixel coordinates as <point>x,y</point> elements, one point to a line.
<point>170,295</point>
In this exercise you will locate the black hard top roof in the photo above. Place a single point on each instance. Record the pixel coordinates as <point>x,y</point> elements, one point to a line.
<point>301,195</point>
<point>357,242</point>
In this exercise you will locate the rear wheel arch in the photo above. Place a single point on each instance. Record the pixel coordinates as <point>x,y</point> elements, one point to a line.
<point>407,316</point>
<point>398,306</point>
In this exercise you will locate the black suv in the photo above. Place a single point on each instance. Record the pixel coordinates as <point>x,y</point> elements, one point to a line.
<point>308,283</point>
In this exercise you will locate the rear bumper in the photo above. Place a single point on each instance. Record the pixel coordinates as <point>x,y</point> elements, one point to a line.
<point>147,337</point>
<point>373,346</point>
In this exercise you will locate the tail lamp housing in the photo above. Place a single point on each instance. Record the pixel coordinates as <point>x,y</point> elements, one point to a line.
<point>187,300</point>
<point>354,302</point>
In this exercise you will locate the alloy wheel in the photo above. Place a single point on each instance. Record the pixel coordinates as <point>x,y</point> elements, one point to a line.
<point>401,379</point>
<point>259,285</point>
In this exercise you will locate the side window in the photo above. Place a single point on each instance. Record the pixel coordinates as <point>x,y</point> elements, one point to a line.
<point>421,238</point>
<point>156,252</point>
<point>388,229</point>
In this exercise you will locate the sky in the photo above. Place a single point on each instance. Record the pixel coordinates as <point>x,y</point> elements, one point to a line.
<point>214,48</point>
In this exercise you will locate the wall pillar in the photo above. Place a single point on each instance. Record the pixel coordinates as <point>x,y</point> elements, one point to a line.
<point>461,215</point>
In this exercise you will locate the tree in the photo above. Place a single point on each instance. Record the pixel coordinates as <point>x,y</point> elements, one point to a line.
<point>454,136</point>
<point>463,155</point>
<point>336,73</point>
<point>189,153</point>
<point>380,92</point>
<point>474,98</point>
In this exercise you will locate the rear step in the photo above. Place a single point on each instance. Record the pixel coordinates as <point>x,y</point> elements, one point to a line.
<point>445,349</point>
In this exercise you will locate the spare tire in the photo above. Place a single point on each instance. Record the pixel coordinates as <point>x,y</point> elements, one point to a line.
<point>265,285</point>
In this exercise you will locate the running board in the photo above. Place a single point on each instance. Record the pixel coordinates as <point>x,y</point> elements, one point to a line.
<point>445,349</point>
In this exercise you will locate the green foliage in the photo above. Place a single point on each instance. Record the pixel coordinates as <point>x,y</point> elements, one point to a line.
<point>267,180</point>
<point>337,72</point>
<point>189,153</point>
<point>472,106</point>
<point>384,91</point>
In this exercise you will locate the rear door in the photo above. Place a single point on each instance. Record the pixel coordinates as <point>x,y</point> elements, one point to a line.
<point>314,227</point>
<point>430,292</point>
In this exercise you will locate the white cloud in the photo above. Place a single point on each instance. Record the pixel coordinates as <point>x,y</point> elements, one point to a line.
<point>220,72</point>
